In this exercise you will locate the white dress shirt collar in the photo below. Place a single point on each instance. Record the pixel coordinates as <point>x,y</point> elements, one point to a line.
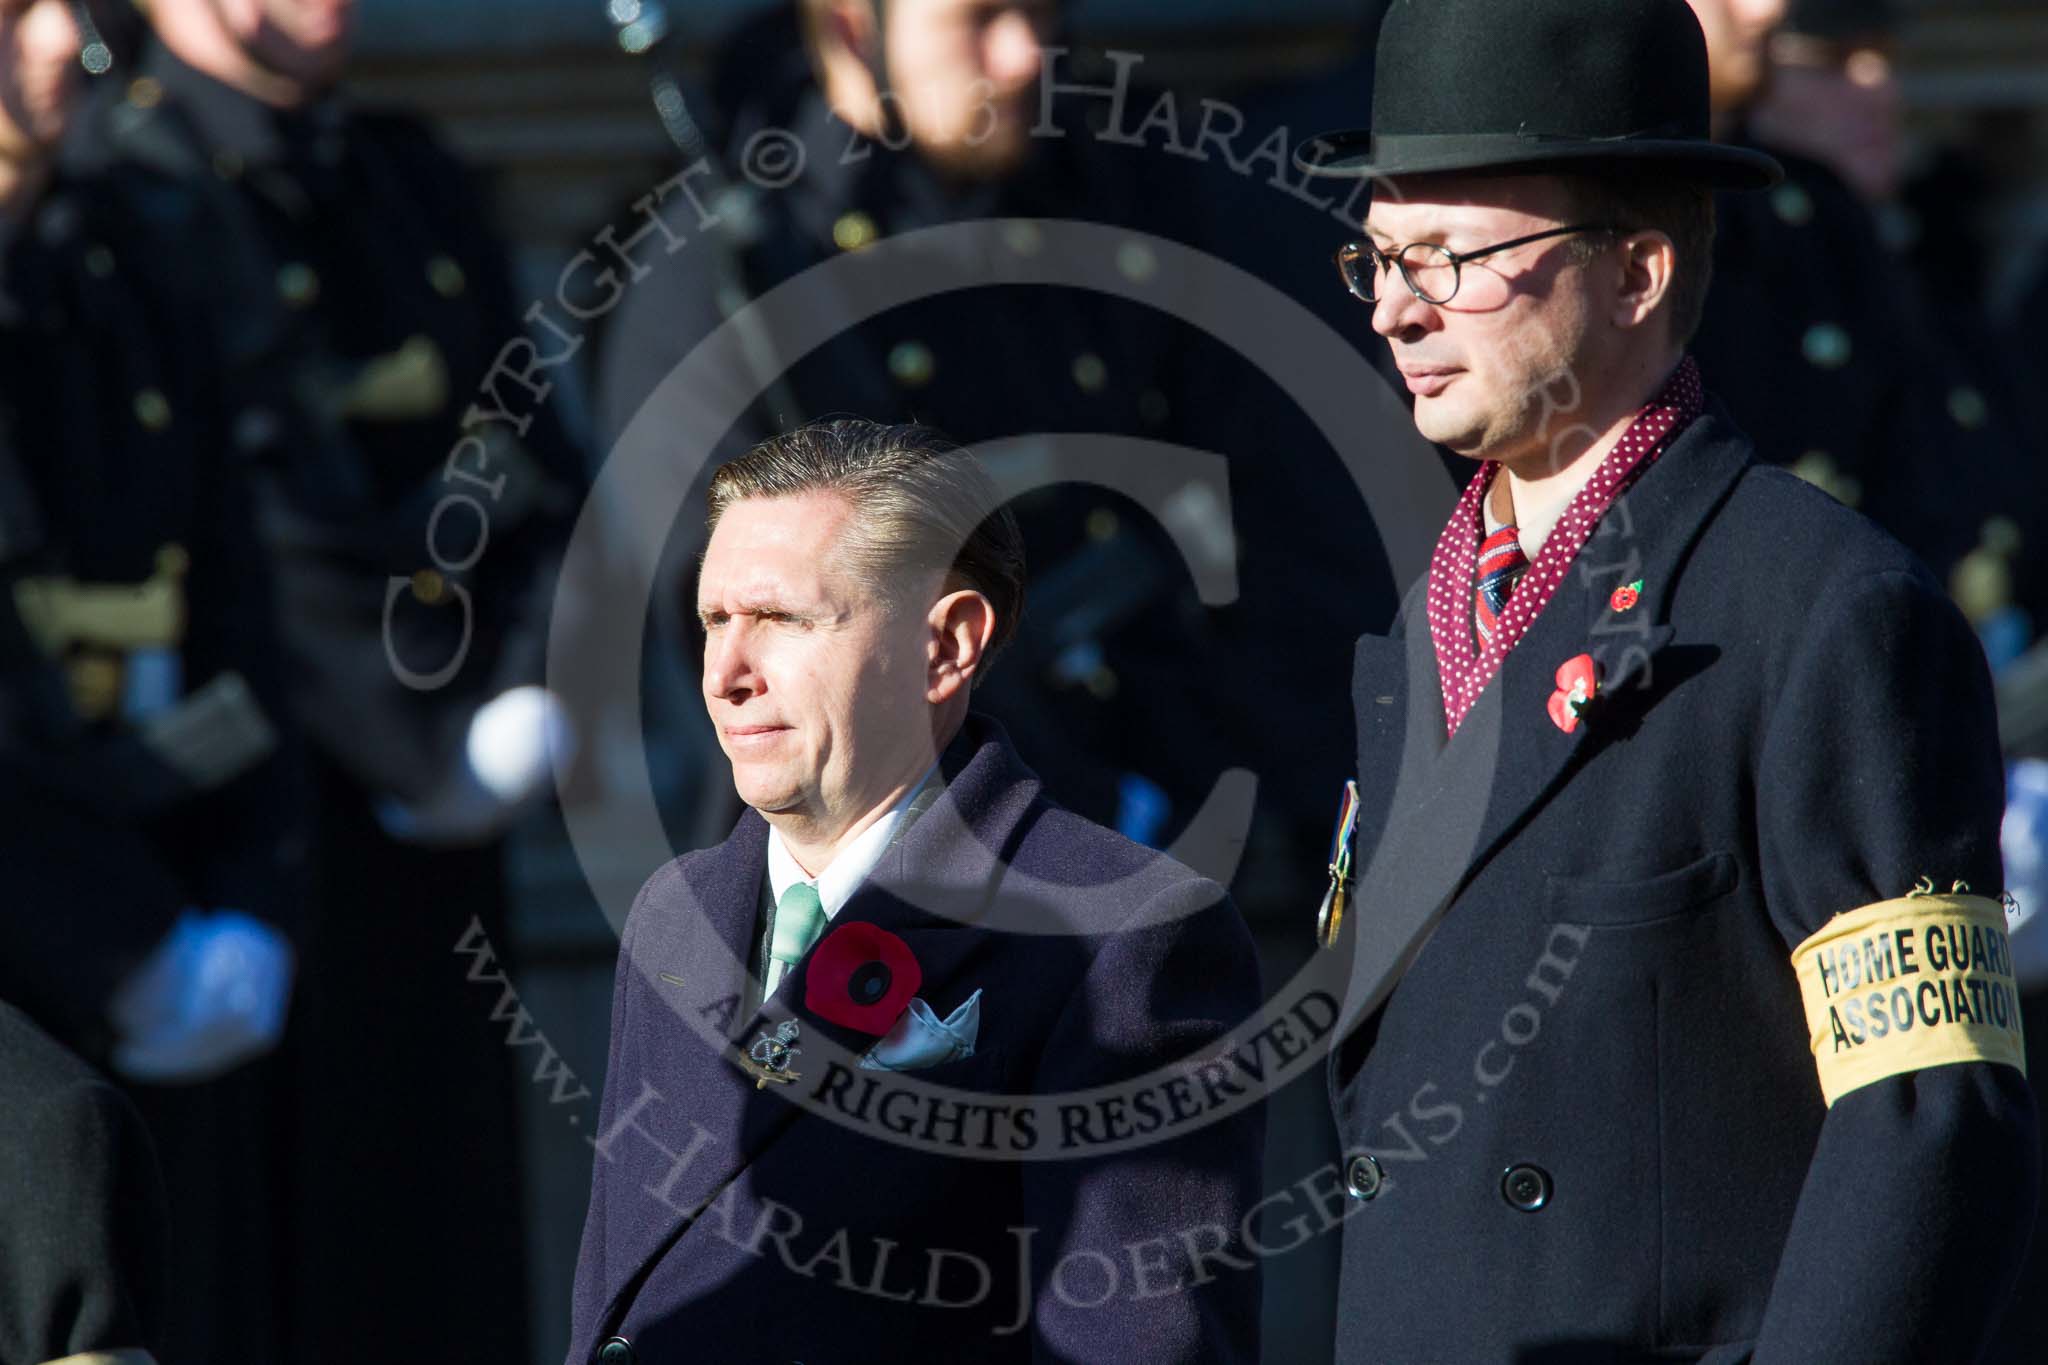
<point>850,867</point>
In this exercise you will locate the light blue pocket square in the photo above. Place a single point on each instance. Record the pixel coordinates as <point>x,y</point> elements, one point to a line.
<point>920,1038</point>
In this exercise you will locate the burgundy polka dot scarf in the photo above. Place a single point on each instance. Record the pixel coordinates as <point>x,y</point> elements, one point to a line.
<point>1466,667</point>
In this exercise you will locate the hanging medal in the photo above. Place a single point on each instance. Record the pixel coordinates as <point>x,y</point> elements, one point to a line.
<point>1330,918</point>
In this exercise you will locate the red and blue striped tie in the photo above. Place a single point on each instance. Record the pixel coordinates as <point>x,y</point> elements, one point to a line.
<point>1501,565</point>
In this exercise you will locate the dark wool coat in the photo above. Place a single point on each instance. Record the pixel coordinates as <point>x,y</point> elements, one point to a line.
<point>1591,1100</point>
<point>84,1262</point>
<point>715,1204</point>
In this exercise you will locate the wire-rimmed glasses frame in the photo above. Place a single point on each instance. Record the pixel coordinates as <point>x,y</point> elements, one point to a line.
<point>1362,264</point>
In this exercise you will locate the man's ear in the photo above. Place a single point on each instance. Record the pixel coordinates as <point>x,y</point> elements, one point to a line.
<point>1648,264</point>
<point>853,27</point>
<point>961,626</point>
<point>844,38</point>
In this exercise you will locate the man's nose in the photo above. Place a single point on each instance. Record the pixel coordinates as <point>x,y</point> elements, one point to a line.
<point>729,672</point>
<point>1397,309</point>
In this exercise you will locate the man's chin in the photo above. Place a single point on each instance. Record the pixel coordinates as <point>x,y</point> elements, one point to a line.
<point>1446,427</point>
<point>768,792</point>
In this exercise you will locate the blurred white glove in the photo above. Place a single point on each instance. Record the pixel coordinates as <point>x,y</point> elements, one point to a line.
<point>516,741</point>
<point>210,997</point>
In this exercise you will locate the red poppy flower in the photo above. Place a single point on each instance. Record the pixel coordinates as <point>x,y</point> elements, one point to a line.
<point>1576,686</point>
<point>1626,597</point>
<point>861,977</point>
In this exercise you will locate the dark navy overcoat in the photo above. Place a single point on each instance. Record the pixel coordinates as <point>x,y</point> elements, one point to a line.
<point>733,1223</point>
<point>1593,1114</point>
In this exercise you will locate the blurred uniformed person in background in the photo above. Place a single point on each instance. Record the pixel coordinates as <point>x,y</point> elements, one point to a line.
<point>1815,336</point>
<point>151,814</point>
<point>414,489</point>
<point>151,819</point>
<point>1833,96</point>
<point>919,114</point>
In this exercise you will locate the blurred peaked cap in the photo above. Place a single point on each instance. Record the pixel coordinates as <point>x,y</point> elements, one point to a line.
<point>1473,85</point>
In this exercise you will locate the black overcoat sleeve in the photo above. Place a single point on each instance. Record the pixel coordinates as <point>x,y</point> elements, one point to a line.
<point>1879,767</point>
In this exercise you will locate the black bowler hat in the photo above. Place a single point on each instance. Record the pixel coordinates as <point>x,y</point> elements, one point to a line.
<point>1469,85</point>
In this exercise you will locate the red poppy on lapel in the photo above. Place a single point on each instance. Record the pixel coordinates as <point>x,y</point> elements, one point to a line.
<point>861,977</point>
<point>1576,686</point>
<point>1626,597</point>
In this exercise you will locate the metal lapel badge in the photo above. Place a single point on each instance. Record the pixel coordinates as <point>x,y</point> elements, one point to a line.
<point>768,1059</point>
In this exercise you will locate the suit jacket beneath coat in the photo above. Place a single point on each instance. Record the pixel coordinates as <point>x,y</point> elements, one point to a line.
<point>1793,722</point>
<point>728,1223</point>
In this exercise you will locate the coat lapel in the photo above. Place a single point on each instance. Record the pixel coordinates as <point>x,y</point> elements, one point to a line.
<point>936,883</point>
<point>1397,693</point>
<point>688,946</point>
<point>929,889</point>
<point>1447,807</point>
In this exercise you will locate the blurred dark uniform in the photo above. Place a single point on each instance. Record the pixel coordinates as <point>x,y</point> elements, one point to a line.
<point>977,364</point>
<point>1813,333</point>
<point>1846,369</point>
<point>144,733</point>
<point>83,1243</point>
<point>1122,688</point>
<point>345,264</point>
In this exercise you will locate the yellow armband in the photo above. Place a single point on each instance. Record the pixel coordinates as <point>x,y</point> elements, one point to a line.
<point>1907,984</point>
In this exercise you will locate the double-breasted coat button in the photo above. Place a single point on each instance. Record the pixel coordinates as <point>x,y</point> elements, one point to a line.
<point>1091,374</point>
<point>152,409</point>
<point>1967,407</point>
<point>1792,204</point>
<point>446,276</point>
<point>1826,346</point>
<point>616,1351</point>
<point>1362,1176</point>
<point>1137,261</point>
<point>855,230</point>
<point>913,364</point>
<point>1525,1187</point>
<point>297,284</point>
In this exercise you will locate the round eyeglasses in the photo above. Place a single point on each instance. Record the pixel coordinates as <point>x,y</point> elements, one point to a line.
<point>1431,272</point>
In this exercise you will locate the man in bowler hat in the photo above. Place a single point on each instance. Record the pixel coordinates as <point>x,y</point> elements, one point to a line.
<point>1680,1022</point>
<point>820,1135</point>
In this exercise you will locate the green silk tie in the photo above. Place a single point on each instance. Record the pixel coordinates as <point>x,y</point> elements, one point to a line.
<point>799,919</point>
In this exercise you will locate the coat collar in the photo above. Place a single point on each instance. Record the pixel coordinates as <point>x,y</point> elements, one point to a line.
<point>1433,812</point>
<point>939,874</point>
<point>230,122</point>
<point>937,879</point>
